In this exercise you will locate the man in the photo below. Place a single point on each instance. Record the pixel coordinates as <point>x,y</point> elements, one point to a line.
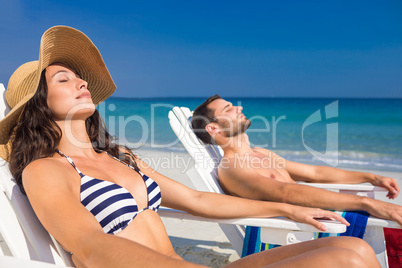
<point>258,173</point>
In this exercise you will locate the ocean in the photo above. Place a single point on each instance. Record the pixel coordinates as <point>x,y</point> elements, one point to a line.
<point>349,133</point>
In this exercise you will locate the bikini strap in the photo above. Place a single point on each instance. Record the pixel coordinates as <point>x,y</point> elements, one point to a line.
<point>70,161</point>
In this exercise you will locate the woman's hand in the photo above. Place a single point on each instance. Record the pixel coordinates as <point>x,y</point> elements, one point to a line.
<point>310,216</point>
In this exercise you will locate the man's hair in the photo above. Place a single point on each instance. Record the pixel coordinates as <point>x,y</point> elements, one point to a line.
<point>202,116</point>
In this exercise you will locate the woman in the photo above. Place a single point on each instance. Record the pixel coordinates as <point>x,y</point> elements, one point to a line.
<point>91,195</point>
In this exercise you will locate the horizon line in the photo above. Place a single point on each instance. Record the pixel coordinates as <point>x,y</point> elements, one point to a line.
<point>257,97</point>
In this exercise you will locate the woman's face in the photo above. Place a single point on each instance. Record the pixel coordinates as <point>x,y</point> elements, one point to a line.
<point>68,96</point>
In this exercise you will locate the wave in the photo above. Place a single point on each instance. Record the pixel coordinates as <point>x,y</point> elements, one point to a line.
<point>352,159</point>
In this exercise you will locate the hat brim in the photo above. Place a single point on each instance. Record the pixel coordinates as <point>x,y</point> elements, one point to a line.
<point>73,48</point>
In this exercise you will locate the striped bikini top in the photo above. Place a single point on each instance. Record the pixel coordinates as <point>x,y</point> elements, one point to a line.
<point>112,205</point>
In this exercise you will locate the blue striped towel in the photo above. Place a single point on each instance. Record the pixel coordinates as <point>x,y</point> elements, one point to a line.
<point>357,219</point>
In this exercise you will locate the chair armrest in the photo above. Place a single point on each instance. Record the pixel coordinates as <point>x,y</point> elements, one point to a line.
<point>372,221</point>
<point>277,222</point>
<point>360,187</point>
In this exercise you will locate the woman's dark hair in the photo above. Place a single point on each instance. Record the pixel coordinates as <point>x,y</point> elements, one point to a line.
<point>37,135</point>
<point>202,116</point>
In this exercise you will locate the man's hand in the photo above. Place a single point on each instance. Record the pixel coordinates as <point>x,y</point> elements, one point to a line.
<point>389,183</point>
<point>310,216</point>
<point>384,210</point>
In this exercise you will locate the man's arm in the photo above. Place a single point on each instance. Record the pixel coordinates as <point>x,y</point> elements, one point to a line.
<point>249,183</point>
<point>323,174</point>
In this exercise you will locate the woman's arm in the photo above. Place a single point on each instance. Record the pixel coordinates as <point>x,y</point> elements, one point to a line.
<point>211,205</point>
<point>59,209</point>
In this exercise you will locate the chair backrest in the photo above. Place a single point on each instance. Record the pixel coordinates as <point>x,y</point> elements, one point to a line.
<point>4,108</point>
<point>207,157</point>
<point>24,234</point>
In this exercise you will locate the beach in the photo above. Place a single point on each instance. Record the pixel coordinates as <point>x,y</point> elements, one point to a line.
<point>202,242</point>
<point>319,83</point>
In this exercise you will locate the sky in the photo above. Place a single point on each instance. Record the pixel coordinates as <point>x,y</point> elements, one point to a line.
<point>335,49</point>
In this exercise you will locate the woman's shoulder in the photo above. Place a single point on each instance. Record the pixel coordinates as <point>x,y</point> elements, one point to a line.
<point>45,170</point>
<point>43,163</point>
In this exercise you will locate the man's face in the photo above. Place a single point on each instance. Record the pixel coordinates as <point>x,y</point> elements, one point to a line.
<point>230,118</point>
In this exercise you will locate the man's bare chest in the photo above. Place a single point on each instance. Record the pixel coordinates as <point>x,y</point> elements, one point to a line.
<point>269,165</point>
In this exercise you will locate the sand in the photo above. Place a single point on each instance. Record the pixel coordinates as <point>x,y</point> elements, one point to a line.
<point>201,242</point>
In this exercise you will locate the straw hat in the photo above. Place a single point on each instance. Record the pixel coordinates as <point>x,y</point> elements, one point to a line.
<point>58,44</point>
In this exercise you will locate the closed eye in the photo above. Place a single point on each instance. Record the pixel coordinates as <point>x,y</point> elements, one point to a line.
<point>228,108</point>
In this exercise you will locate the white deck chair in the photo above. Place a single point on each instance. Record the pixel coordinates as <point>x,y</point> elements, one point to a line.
<point>23,233</point>
<point>205,178</point>
<point>32,246</point>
